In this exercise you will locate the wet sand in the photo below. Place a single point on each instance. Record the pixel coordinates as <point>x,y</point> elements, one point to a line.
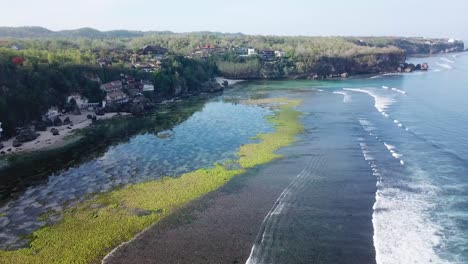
<point>219,228</point>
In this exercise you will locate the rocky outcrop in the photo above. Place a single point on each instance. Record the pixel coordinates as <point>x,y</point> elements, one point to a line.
<point>66,121</point>
<point>40,126</point>
<point>57,121</point>
<point>212,87</point>
<point>26,134</point>
<point>16,143</point>
<point>54,131</point>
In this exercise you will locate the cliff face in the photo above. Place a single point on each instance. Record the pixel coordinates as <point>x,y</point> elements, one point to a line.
<point>330,67</point>
<point>430,46</point>
<point>413,46</point>
<point>361,64</point>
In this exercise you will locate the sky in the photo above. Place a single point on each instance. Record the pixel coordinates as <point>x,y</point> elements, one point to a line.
<point>428,18</point>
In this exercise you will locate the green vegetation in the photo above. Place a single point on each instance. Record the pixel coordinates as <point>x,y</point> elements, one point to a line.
<point>27,91</point>
<point>90,230</point>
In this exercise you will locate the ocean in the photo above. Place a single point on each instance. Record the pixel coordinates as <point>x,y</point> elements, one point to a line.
<point>385,175</point>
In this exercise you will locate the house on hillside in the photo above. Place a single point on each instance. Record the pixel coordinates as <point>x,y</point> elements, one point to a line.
<point>17,47</point>
<point>267,55</point>
<point>280,54</point>
<point>251,52</point>
<point>157,52</point>
<point>112,86</point>
<point>147,86</point>
<point>116,97</point>
<point>103,62</point>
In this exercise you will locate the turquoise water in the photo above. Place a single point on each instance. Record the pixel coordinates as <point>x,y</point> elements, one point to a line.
<point>385,174</point>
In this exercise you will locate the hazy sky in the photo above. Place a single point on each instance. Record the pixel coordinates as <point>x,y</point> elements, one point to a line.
<point>447,18</point>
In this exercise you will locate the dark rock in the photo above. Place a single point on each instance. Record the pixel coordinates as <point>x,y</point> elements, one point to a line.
<point>57,121</point>
<point>424,67</point>
<point>9,149</point>
<point>54,131</point>
<point>67,121</point>
<point>418,67</point>
<point>94,118</point>
<point>225,83</point>
<point>48,122</point>
<point>212,87</point>
<point>40,126</point>
<point>3,152</point>
<point>26,134</point>
<point>1,145</point>
<point>16,143</point>
<point>89,116</point>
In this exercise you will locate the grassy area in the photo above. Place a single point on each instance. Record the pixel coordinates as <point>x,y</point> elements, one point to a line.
<point>90,230</point>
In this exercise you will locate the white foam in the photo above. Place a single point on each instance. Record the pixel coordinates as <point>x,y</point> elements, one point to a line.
<point>376,77</point>
<point>403,228</point>
<point>389,147</point>
<point>447,60</point>
<point>397,90</point>
<point>381,102</point>
<point>385,87</point>
<point>346,96</point>
<point>444,65</point>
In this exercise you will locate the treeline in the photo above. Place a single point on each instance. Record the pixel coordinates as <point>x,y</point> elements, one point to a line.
<point>28,91</point>
<point>240,70</point>
<point>181,75</point>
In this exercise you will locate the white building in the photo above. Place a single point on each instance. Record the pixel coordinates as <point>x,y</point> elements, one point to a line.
<point>148,87</point>
<point>251,52</point>
<point>451,40</point>
<point>280,54</point>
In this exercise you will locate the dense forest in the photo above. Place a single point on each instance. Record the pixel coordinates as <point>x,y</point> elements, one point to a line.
<point>39,68</point>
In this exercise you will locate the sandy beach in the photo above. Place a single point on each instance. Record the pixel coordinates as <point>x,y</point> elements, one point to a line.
<point>47,141</point>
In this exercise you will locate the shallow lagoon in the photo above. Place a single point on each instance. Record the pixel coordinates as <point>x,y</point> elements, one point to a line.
<point>207,132</point>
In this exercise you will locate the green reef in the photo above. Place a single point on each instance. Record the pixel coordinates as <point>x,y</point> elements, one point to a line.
<point>90,230</point>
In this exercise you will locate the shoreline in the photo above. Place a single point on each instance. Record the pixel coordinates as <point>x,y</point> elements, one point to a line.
<point>46,141</point>
<point>117,216</point>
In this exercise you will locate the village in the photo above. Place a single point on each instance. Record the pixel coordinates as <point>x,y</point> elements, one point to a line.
<point>57,124</point>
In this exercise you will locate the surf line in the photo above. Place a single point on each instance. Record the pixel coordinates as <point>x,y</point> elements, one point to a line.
<point>255,253</point>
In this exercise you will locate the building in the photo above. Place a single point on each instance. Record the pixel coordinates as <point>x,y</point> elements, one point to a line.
<point>156,52</point>
<point>104,62</point>
<point>267,55</point>
<point>251,52</point>
<point>17,47</point>
<point>116,97</point>
<point>112,86</point>
<point>280,54</point>
<point>147,86</point>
